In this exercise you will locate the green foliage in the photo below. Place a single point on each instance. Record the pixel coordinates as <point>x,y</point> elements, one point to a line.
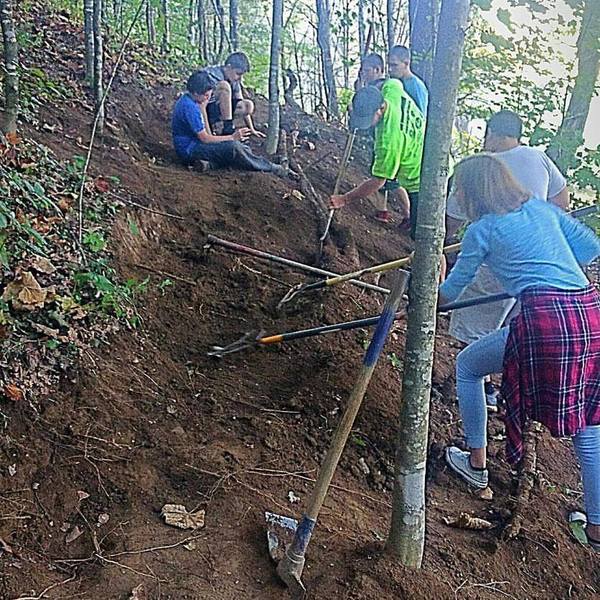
<point>94,241</point>
<point>97,288</point>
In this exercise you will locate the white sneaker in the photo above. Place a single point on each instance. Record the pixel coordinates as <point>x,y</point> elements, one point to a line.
<point>459,461</point>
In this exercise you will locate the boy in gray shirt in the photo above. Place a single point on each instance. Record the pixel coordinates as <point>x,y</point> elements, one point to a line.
<point>536,173</point>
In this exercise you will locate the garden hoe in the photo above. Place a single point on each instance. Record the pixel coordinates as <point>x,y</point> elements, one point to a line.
<point>280,528</point>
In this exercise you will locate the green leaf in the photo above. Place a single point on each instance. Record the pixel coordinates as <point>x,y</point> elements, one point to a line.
<point>504,17</point>
<point>133,226</point>
<point>483,4</point>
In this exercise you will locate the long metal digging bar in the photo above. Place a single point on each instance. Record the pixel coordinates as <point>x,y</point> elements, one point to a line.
<point>381,268</point>
<point>213,239</point>
<point>245,342</point>
<point>338,181</point>
<point>291,566</point>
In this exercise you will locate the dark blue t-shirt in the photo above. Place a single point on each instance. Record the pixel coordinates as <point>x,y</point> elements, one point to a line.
<point>186,124</point>
<point>417,90</point>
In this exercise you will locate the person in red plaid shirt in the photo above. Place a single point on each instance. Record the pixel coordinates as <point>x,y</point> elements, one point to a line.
<point>550,353</point>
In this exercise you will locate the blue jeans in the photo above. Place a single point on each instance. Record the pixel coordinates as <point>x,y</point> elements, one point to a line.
<point>485,357</point>
<point>231,154</point>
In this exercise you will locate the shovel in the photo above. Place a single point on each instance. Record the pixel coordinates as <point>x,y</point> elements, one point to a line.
<point>336,188</point>
<point>290,567</point>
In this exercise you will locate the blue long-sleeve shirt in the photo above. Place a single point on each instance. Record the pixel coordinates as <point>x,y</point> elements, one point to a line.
<point>536,245</point>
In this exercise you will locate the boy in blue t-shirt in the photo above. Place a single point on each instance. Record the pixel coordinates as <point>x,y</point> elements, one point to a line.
<point>399,68</point>
<point>194,145</point>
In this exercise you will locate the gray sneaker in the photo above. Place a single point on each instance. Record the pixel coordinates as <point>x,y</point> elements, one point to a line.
<point>458,461</point>
<point>280,171</point>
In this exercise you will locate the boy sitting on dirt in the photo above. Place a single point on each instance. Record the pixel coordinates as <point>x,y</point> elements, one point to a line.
<point>227,101</point>
<point>197,146</point>
<point>399,129</point>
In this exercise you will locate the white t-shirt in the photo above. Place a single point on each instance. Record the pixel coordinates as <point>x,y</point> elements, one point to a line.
<point>538,175</point>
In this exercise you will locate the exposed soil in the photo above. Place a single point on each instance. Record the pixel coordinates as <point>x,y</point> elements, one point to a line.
<point>150,419</point>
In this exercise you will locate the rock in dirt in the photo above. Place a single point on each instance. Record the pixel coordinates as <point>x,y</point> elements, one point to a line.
<point>178,516</point>
<point>467,521</point>
<point>485,494</point>
<point>362,465</point>
<point>75,533</point>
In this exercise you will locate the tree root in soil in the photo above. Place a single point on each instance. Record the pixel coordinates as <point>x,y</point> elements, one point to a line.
<point>527,477</point>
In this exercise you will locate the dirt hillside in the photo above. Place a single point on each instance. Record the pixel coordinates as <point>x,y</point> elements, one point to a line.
<point>149,419</point>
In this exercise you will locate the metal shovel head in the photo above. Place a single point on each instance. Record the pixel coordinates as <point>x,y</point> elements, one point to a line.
<point>280,532</point>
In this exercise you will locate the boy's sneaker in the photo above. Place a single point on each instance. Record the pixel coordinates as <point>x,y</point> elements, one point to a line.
<point>491,396</point>
<point>202,166</point>
<point>280,171</point>
<point>383,216</point>
<point>459,461</point>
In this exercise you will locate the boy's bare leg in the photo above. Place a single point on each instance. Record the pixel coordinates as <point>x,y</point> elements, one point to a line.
<point>403,203</point>
<point>222,93</point>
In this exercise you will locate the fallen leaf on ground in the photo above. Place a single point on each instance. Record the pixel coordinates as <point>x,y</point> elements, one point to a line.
<point>82,495</point>
<point>13,392</point>
<point>101,185</point>
<point>25,292</point>
<point>467,521</point>
<point>43,265</point>
<point>178,516</point>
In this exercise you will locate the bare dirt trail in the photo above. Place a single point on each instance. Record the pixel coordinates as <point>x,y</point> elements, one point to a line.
<point>151,419</point>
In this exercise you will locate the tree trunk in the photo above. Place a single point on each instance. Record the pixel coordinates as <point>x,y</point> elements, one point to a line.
<point>98,65</point>
<point>220,13</point>
<point>324,41</point>
<point>569,138</point>
<point>150,25</point>
<point>202,32</point>
<point>273,133</point>
<point>423,16</point>
<point>166,39</point>
<point>407,534</point>
<point>361,27</point>
<point>233,24</point>
<point>11,63</point>
<point>88,30</point>
<point>391,33</point>
<point>192,28</point>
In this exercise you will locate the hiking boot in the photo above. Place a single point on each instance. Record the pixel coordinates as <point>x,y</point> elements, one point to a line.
<point>460,462</point>
<point>383,216</point>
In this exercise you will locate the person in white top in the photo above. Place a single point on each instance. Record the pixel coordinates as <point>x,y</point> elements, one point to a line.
<point>541,178</point>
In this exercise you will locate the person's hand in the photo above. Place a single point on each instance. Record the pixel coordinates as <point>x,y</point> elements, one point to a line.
<point>337,201</point>
<point>241,135</point>
<point>256,133</point>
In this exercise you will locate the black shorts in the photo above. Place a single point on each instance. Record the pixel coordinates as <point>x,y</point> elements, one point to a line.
<point>213,110</point>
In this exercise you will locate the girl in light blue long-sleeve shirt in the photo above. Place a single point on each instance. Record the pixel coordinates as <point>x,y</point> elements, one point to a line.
<point>551,353</point>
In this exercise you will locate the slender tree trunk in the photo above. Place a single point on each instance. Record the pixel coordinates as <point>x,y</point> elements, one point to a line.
<point>423,16</point>
<point>569,138</point>
<point>273,133</point>
<point>98,65</point>
<point>233,24</point>
<point>166,39</point>
<point>220,13</point>
<point>202,32</point>
<point>407,534</point>
<point>150,25</point>
<point>324,41</point>
<point>389,18</point>
<point>88,30</point>
<point>8,123</point>
<point>192,29</point>
<point>361,27</point>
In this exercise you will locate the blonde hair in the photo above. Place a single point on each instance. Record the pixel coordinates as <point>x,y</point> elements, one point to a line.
<point>484,185</point>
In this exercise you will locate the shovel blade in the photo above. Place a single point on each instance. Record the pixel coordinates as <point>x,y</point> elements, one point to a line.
<point>280,533</point>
